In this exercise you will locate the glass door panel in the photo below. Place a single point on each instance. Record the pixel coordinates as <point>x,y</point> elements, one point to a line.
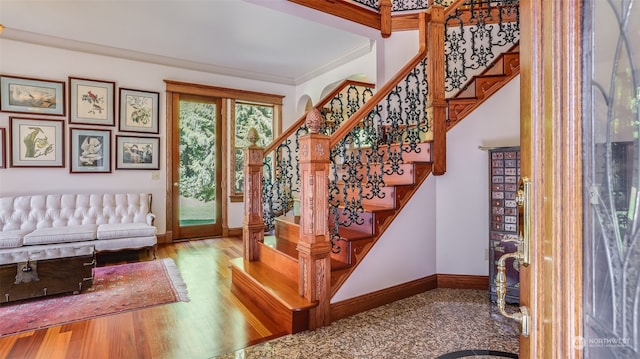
<point>611,163</point>
<point>197,192</point>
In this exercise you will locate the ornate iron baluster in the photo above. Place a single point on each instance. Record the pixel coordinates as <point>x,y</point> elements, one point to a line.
<point>474,38</point>
<point>281,181</point>
<point>374,149</point>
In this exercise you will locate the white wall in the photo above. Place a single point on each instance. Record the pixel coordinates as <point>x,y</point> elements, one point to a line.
<point>365,67</point>
<point>463,192</point>
<point>386,58</point>
<point>398,49</point>
<point>22,59</point>
<point>405,252</point>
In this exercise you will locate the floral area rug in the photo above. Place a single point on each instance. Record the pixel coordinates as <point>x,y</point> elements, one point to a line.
<point>116,289</point>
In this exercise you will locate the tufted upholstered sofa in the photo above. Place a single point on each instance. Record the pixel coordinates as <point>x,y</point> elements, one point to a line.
<point>41,227</point>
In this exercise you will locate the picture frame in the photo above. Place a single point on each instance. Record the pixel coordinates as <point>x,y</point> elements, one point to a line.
<point>139,111</point>
<point>32,96</point>
<point>3,148</point>
<point>36,142</point>
<point>91,102</point>
<point>137,153</point>
<point>90,150</point>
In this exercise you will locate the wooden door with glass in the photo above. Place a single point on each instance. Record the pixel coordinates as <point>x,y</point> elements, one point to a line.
<point>196,166</point>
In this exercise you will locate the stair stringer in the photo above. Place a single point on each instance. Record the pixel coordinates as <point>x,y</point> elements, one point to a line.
<point>383,221</point>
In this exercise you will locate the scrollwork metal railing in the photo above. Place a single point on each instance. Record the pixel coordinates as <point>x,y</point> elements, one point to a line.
<point>281,181</point>
<point>475,34</point>
<point>374,149</point>
<point>404,5</point>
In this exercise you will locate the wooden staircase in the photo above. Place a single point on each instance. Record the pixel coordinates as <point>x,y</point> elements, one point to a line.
<point>271,284</point>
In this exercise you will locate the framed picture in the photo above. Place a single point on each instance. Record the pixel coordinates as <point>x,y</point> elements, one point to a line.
<point>91,102</point>
<point>25,95</point>
<point>137,153</point>
<point>3,146</point>
<point>139,111</point>
<point>36,143</point>
<point>90,151</point>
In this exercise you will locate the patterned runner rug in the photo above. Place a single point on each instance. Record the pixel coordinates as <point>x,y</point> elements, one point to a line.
<point>116,289</point>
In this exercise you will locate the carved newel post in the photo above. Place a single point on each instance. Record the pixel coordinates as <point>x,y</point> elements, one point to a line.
<point>314,246</point>
<point>253,220</point>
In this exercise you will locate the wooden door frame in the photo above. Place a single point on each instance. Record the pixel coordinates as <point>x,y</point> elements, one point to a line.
<point>176,88</point>
<point>201,230</point>
<point>551,136</point>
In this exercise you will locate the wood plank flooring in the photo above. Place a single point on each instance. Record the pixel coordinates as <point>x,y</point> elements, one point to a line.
<point>212,323</point>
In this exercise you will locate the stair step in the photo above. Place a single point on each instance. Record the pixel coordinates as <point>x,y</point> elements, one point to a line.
<point>386,198</point>
<point>272,293</point>
<point>404,175</point>
<point>486,85</point>
<point>281,255</point>
<point>288,227</point>
<point>350,244</point>
<point>352,235</point>
<point>288,249</point>
<point>422,152</point>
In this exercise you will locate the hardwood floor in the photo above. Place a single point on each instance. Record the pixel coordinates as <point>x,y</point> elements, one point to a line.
<point>212,323</point>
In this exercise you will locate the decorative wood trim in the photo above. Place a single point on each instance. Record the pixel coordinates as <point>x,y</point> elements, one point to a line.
<point>436,101</point>
<point>163,238</point>
<point>171,98</point>
<point>222,92</point>
<point>233,232</point>
<point>405,22</point>
<point>253,221</point>
<point>462,281</point>
<point>375,299</point>
<point>550,97</point>
<point>314,247</point>
<point>236,198</point>
<point>345,10</point>
<point>385,18</point>
<point>225,187</point>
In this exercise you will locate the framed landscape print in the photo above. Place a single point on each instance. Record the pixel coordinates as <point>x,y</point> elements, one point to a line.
<point>137,153</point>
<point>34,96</point>
<point>3,147</point>
<point>91,102</point>
<point>90,151</point>
<point>36,143</point>
<point>139,111</point>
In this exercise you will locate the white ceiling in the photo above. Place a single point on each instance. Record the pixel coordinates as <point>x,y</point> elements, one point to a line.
<point>270,40</point>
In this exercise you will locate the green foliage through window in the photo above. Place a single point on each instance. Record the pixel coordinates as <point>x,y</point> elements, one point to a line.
<point>247,116</point>
<point>197,150</point>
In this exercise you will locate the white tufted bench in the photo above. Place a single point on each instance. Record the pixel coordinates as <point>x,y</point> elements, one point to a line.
<point>66,229</point>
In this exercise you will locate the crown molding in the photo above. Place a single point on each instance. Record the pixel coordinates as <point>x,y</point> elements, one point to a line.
<point>91,48</point>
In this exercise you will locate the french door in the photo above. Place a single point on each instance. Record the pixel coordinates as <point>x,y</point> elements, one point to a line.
<point>196,166</point>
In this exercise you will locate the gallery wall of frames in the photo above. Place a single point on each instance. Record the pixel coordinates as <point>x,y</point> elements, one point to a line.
<point>107,126</point>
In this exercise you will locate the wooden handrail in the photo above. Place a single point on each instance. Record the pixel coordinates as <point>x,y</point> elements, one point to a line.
<point>359,115</point>
<point>296,125</point>
<point>451,8</point>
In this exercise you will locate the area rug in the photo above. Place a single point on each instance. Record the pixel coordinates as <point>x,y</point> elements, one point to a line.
<point>116,289</point>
